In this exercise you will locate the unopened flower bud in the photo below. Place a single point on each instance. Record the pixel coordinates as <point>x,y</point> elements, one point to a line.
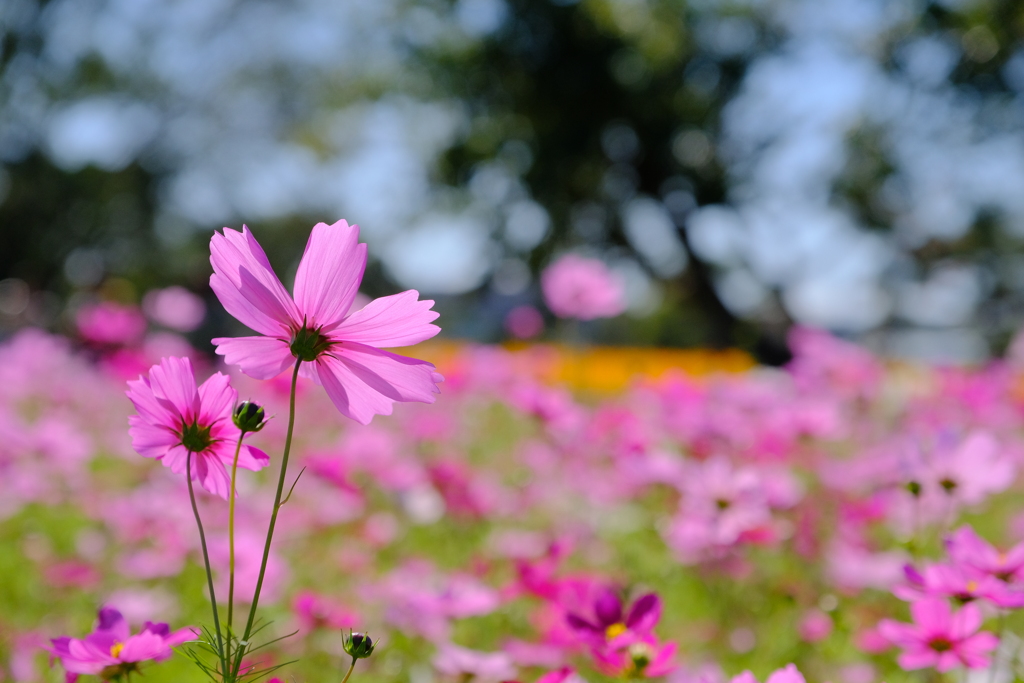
<point>249,416</point>
<point>358,645</point>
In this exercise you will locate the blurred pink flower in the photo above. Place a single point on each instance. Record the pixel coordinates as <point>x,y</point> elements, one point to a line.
<point>815,626</point>
<point>340,349</point>
<point>110,323</point>
<point>111,651</point>
<point>176,417</point>
<point>524,322</point>
<point>460,662</point>
<point>317,611</point>
<point>966,548</point>
<point>939,637</point>
<point>583,288</point>
<point>175,307</point>
<point>960,582</point>
<point>788,674</point>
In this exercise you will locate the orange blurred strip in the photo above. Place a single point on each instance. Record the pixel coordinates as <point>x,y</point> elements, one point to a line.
<point>602,369</point>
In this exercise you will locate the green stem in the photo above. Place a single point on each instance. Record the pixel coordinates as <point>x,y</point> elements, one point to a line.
<point>231,533</point>
<point>345,679</point>
<point>273,521</point>
<point>206,560</point>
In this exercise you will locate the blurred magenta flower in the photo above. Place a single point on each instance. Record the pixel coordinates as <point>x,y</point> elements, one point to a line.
<point>939,637</point>
<point>177,417</point>
<point>110,323</point>
<point>960,582</point>
<point>968,549</point>
<point>583,288</point>
<point>341,350</point>
<point>524,322</point>
<point>175,307</point>
<point>111,651</point>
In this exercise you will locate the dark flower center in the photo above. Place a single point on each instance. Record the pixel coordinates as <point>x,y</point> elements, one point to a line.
<point>940,644</point>
<point>948,485</point>
<point>195,438</point>
<point>308,344</point>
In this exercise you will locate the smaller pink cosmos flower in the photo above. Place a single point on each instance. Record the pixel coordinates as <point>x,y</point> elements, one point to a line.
<point>176,417</point>
<point>940,638</point>
<point>582,288</point>
<point>111,651</point>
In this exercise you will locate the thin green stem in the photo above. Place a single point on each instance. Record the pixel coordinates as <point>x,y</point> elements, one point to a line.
<point>231,533</point>
<point>345,679</point>
<point>206,560</point>
<point>273,521</point>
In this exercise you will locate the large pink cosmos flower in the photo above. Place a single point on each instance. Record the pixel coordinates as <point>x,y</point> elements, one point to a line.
<point>939,637</point>
<point>111,651</point>
<point>340,350</point>
<point>177,417</point>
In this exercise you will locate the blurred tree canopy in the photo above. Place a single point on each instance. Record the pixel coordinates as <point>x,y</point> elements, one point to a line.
<point>852,164</point>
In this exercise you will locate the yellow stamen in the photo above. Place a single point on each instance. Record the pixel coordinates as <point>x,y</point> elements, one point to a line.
<point>972,586</point>
<point>115,649</point>
<point>616,629</point>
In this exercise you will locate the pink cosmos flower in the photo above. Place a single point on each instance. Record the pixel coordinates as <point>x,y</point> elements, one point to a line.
<point>583,288</point>
<point>340,350</point>
<point>111,651</point>
<point>177,417</point>
<point>939,637</point>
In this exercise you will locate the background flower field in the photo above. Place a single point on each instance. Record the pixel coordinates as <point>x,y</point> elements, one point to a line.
<point>773,511</point>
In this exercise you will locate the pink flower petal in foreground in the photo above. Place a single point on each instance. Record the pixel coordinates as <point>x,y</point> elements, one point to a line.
<point>340,350</point>
<point>176,417</point>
